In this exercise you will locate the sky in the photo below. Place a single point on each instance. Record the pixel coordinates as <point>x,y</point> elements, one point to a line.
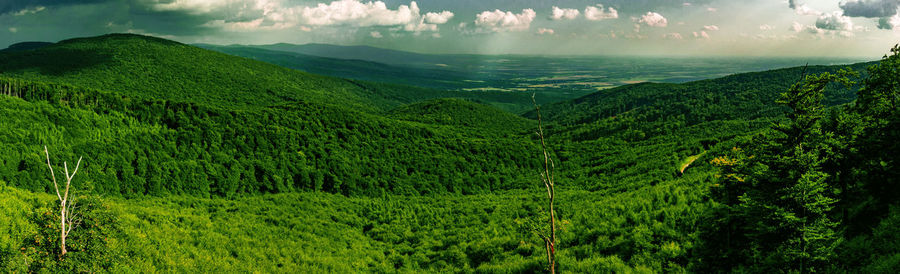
<point>753,28</point>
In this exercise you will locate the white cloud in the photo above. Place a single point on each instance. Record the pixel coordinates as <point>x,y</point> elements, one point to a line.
<point>801,8</point>
<point>834,21</point>
<point>13,30</point>
<point>560,14</point>
<point>375,34</point>
<point>673,36</point>
<point>701,35</point>
<point>766,27</point>
<point>249,15</point>
<point>30,11</point>
<point>500,21</point>
<point>596,13</point>
<point>438,18</point>
<point>806,10</point>
<point>653,19</point>
<point>711,28</point>
<point>796,26</point>
<point>712,9</point>
<point>352,12</point>
<point>543,31</point>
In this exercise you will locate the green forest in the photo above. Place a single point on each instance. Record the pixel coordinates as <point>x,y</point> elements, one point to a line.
<point>199,161</point>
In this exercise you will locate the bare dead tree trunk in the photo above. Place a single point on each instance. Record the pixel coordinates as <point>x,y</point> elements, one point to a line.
<point>547,178</point>
<point>67,217</point>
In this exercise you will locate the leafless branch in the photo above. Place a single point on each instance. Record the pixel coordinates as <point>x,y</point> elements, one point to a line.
<point>52,175</point>
<point>69,217</point>
<point>547,179</point>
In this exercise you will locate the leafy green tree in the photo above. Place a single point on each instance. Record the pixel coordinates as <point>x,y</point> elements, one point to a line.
<point>776,197</point>
<point>877,107</point>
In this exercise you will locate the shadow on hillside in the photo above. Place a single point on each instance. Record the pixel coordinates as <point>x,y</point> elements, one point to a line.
<point>54,62</point>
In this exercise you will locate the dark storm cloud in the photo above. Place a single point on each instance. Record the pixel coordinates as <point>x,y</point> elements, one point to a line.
<point>114,16</point>
<point>8,6</point>
<point>870,8</point>
<point>792,4</point>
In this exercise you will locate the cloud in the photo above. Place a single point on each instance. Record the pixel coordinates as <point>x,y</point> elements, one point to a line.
<point>766,27</point>
<point>641,6</point>
<point>673,36</point>
<point>561,14</point>
<point>711,28</point>
<point>192,6</point>
<point>375,34</point>
<point>543,31</point>
<point>653,19</point>
<point>892,22</point>
<point>503,21</point>
<point>834,21</point>
<point>355,13</point>
<point>712,9</point>
<point>250,15</point>
<point>801,8</point>
<point>30,11</point>
<point>13,30</point>
<point>438,18</point>
<point>870,8</point>
<point>701,35</point>
<point>596,13</point>
<point>238,26</point>
<point>18,6</point>
<point>797,27</point>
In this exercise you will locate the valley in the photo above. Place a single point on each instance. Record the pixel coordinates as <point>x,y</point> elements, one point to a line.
<point>246,159</point>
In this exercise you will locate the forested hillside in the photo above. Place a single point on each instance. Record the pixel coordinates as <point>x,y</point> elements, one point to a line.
<point>153,68</point>
<point>202,161</point>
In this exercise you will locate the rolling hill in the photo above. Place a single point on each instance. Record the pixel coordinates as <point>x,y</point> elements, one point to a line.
<point>147,67</point>
<point>155,117</point>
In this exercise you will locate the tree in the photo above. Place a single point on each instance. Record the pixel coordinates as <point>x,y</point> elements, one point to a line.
<point>68,217</point>
<point>875,160</point>
<point>547,178</point>
<point>777,198</point>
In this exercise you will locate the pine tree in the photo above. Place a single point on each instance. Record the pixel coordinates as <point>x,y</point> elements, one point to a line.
<point>776,199</point>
